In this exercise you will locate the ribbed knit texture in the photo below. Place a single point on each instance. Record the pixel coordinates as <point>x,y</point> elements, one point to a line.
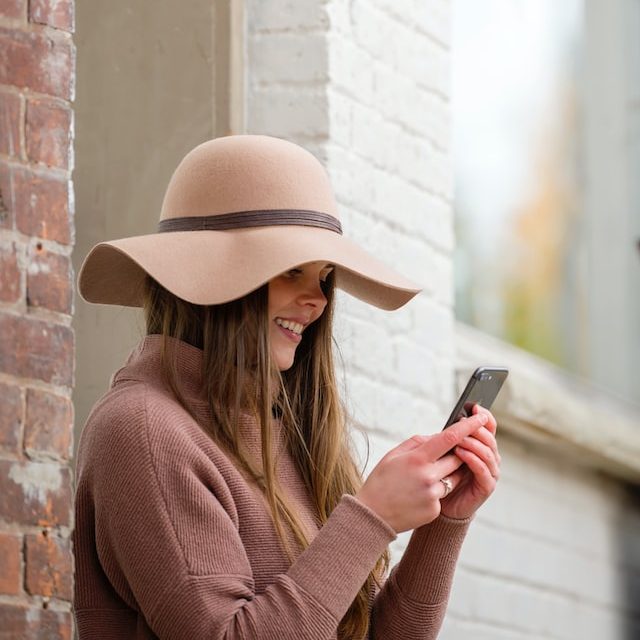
<point>171,541</point>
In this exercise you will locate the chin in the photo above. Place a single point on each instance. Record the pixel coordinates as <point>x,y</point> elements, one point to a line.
<point>284,365</point>
<point>284,361</point>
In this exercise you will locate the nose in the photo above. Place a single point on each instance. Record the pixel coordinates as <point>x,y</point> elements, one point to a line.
<point>312,295</point>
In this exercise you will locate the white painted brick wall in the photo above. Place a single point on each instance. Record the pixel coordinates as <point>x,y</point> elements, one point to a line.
<point>364,85</point>
<point>387,154</point>
<point>544,558</point>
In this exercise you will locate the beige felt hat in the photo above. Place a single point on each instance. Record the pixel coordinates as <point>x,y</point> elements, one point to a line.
<point>238,211</point>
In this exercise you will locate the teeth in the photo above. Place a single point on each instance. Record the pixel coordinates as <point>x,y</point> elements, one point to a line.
<point>296,327</point>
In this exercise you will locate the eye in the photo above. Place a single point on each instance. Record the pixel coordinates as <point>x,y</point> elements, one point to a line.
<point>326,273</point>
<point>293,273</point>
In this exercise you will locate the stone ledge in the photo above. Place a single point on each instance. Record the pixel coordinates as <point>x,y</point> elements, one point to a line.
<point>546,405</point>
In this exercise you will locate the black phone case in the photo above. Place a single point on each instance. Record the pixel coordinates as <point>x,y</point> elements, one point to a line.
<point>483,387</point>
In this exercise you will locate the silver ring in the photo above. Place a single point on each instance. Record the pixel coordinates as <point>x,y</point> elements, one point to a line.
<point>448,486</point>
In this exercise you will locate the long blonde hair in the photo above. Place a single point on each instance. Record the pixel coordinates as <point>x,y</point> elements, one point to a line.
<point>239,376</point>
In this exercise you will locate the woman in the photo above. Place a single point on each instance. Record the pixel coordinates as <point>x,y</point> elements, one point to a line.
<point>217,496</point>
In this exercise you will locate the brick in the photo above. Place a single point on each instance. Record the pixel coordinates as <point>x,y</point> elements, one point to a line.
<point>35,493</point>
<point>43,62</point>
<point>426,62</point>
<point>14,9</point>
<point>49,424</point>
<point>49,281</point>
<point>416,366</point>
<point>10,110</point>
<point>291,15</point>
<point>34,623</point>
<point>370,346</point>
<point>350,177</point>
<point>48,566</point>
<point>48,133</point>
<point>6,197</point>
<point>370,27</point>
<point>10,275</point>
<point>290,58</point>
<point>55,13</point>
<point>10,569</point>
<point>294,111</point>
<point>36,349</point>
<point>41,206</point>
<point>11,417</point>
<point>439,338</point>
<point>352,70</point>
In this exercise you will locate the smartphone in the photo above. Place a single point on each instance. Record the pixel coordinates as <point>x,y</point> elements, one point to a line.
<point>482,389</point>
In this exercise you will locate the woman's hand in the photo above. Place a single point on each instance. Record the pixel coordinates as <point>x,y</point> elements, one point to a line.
<point>405,487</point>
<point>474,482</point>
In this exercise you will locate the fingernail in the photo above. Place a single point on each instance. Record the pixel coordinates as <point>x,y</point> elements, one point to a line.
<point>483,418</point>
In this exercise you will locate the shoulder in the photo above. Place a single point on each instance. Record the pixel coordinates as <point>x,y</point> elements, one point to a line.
<point>135,421</point>
<point>140,441</point>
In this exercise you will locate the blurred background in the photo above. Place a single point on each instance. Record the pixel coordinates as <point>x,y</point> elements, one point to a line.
<point>545,120</point>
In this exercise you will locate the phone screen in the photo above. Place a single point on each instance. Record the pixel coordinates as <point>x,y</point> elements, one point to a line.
<point>482,389</point>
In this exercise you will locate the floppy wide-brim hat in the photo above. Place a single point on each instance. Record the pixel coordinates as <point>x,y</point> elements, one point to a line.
<point>238,211</point>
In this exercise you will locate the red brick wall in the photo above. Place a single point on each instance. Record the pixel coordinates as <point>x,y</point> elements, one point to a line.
<point>37,73</point>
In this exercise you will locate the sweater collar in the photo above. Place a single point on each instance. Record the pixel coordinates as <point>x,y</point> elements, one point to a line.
<point>144,364</point>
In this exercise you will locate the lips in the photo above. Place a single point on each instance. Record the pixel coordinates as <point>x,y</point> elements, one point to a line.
<point>291,329</point>
<point>290,335</point>
<point>291,325</point>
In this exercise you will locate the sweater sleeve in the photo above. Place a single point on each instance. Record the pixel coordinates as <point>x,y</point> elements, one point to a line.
<point>169,543</point>
<point>412,603</point>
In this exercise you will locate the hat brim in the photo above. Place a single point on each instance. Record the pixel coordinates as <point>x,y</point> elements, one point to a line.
<point>213,267</point>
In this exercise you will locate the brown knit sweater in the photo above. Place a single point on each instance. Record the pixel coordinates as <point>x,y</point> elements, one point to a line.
<point>171,541</point>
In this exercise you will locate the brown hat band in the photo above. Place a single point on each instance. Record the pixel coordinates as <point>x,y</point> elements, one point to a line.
<point>240,219</point>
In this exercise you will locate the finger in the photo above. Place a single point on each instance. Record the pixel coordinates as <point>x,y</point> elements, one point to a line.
<point>492,423</point>
<point>445,466</point>
<point>484,452</point>
<point>485,436</point>
<point>443,442</point>
<point>454,479</point>
<point>481,473</point>
<point>407,445</point>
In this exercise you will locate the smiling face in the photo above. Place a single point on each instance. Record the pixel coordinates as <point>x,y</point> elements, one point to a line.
<point>296,300</point>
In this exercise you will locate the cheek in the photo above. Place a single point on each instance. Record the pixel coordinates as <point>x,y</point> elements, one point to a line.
<point>281,350</point>
<point>278,295</point>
